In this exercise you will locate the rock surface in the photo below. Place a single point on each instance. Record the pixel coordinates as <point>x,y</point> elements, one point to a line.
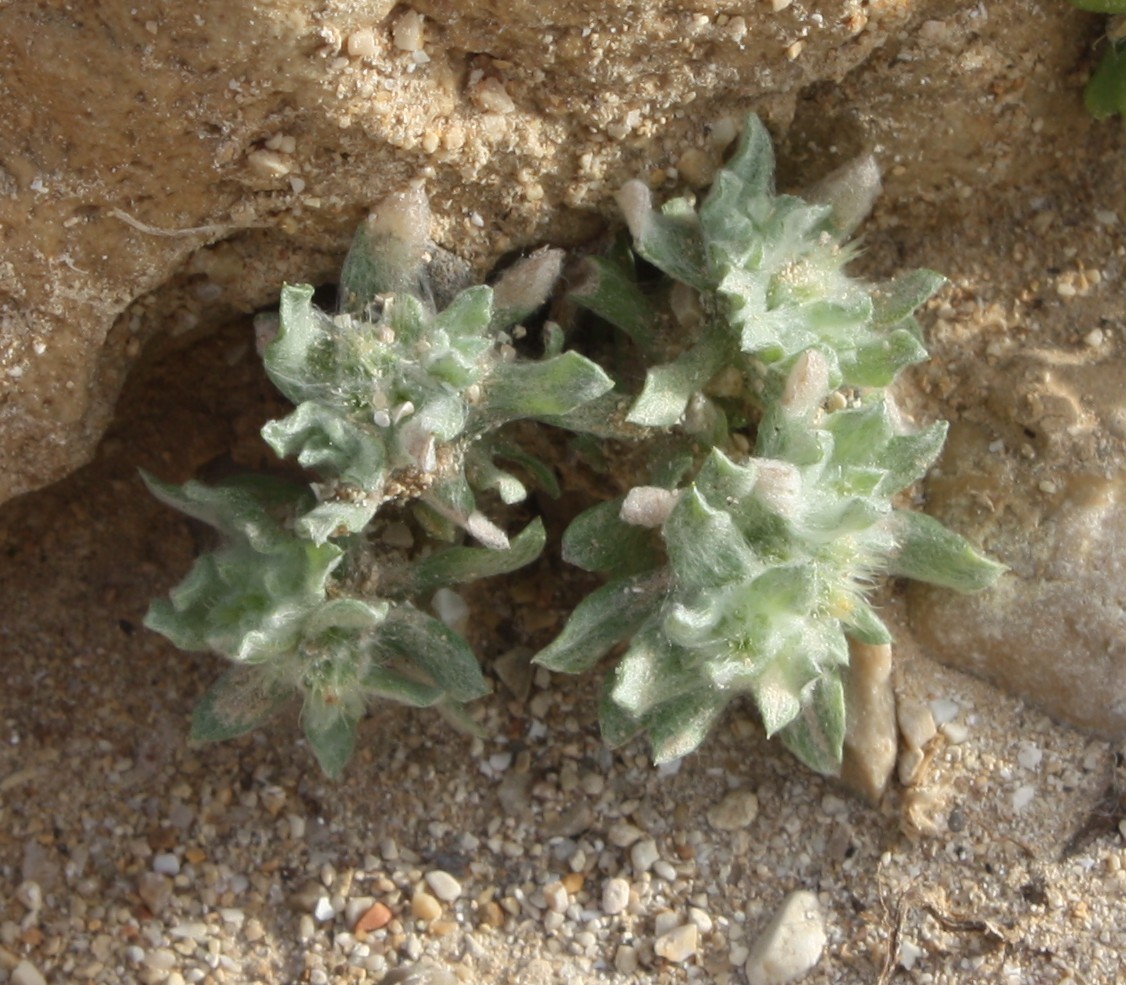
<point>164,170</point>
<point>1038,476</point>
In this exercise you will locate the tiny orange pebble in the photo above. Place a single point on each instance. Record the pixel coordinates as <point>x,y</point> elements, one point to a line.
<point>573,882</point>
<point>374,918</point>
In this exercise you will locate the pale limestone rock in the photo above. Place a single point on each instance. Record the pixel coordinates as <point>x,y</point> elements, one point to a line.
<point>130,212</point>
<point>1038,478</point>
<point>870,736</point>
<point>791,944</point>
<point>678,944</point>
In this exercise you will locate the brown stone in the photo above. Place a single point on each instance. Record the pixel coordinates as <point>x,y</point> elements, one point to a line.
<point>374,918</point>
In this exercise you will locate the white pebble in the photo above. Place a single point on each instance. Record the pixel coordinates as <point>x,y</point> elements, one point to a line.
<point>956,733</point>
<point>737,810</point>
<point>443,885</point>
<point>909,953</point>
<point>643,854</point>
<point>161,959</point>
<point>1029,755</point>
<point>623,834</point>
<point>30,895</point>
<point>25,973</point>
<point>791,944</point>
<point>944,710</point>
<point>361,43</point>
<point>701,918</point>
<point>491,97</point>
<point>166,863</point>
<point>452,609</point>
<point>615,896</point>
<point>556,896</point>
<point>407,32</point>
<point>664,870</point>
<point>356,907</point>
<point>269,163</point>
<point>306,929</point>
<point>323,910</point>
<point>679,944</point>
<point>1023,797</point>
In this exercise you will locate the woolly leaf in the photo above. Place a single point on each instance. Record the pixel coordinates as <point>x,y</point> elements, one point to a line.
<point>678,727</point>
<point>336,518</point>
<point>239,701</point>
<point>325,439</point>
<point>456,565</point>
<point>597,540</point>
<point>705,546</point>
<point>545,389</point>
<point>816,735</point>
<point>614,297</point>
<point>435,649</point>
<point>898,298</point>
<point>301,359</point>
<point>668,388</point>
<point>604,618</point>
<point>331,733</point>
<point>928,551</point>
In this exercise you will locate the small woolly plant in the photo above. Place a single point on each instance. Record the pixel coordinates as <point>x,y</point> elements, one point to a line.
<point>740,564</point>
<point>746,573</point>
<point>396,402</point>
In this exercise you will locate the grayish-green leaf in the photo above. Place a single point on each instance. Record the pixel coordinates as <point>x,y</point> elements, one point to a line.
<point>928,551</point>
<point>435,649</point>
<point>239,701</point>
<point>331,733</point>
<point>597,540</point>
<point>456,565</point>
<point>604,618</point>
<point>544,389</point>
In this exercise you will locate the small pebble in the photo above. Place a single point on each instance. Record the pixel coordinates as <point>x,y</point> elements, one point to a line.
<point>643,855</point>
<point>425,907</point>
<point>615,896</point>
<point>444,886</point>
<point>736,811</point>
<point>679,944</point>
<point>25,973</point>
<point>626,960</point>
<point>1029,755</point>
<point>623,834</point>
<point>406,34</point>
<point>1023,796</point>
<point>356,907</point>
<point>791,944</point>
<point>361,43</point>
<point>701,918</point>
<point>166,863</point>
<point>323,910</point>
<point>374,918</point>
<point>155,890</point>
<point>30,895</point>
<point>556,896</point>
